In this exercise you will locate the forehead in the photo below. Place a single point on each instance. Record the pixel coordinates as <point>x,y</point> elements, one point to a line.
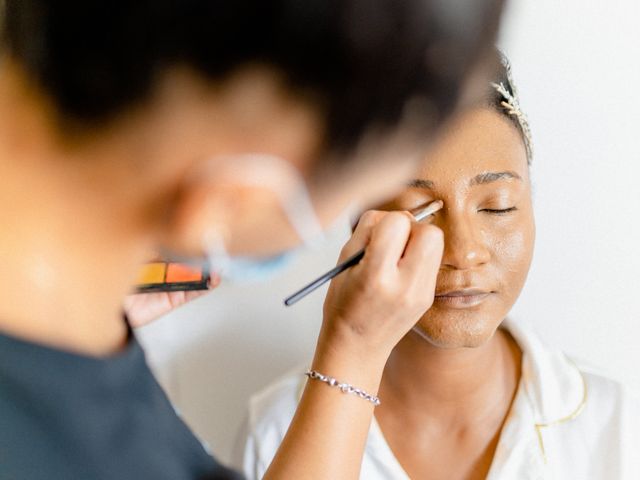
<point>476,141</point>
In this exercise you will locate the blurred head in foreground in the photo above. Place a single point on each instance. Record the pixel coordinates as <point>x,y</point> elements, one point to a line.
<point>128,127</point>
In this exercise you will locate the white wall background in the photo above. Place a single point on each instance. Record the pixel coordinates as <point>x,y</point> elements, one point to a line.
<point>577,63</point>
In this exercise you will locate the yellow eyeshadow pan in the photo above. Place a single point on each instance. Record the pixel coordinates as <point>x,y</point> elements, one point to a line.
<point>163,276</point>
<point>152,273</point>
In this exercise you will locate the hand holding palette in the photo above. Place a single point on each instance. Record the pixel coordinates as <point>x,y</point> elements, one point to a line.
<point>164,276</point>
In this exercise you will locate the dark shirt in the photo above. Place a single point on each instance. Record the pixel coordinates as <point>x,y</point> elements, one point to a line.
<point>66,416</point>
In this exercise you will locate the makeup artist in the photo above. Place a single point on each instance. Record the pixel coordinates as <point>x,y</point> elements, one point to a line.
<point>129,127</point>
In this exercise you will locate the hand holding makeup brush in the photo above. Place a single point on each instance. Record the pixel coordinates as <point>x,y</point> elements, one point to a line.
<point>370,307</point>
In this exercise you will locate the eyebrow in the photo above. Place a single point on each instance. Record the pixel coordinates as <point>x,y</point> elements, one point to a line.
<point>420,183</point>
<point>489,177</point>
<point>481,179</point>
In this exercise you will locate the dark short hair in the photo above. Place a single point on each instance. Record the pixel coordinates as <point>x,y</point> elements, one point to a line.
<point>362,59</point>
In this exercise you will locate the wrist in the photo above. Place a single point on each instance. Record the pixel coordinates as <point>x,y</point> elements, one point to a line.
<point>343,387</point>
<point>349,362</point>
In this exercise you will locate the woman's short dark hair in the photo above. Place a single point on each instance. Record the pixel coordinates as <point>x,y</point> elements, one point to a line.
<point>362,59</point>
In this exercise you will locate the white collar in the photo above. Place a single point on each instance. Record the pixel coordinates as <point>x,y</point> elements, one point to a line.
<point>553,383</point>
<point>551,391</point>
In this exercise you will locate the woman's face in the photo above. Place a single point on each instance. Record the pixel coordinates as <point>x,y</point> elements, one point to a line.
<point>479,169</point>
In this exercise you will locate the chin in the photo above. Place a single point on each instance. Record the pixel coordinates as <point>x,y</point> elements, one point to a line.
<point>457,329</point>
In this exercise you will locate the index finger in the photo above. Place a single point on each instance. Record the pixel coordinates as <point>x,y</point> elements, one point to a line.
<point>388,240</point>
<point>362,234</point>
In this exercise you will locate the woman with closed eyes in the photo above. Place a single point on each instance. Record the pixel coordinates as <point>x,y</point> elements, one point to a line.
<point>467,393</point>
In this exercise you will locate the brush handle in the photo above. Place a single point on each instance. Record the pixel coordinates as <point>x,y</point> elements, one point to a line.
<point>426,212</point>
<point>321,280</point>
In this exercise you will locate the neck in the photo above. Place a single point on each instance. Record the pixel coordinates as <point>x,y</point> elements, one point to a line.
<point>69,248</point>
<point>454,386</point>
<point>81,206</point>
<point>51,247</point>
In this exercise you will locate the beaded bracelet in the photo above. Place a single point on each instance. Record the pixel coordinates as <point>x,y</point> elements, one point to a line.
<point>344,387</point>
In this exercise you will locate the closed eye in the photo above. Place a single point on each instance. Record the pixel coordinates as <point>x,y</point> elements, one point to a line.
<point>498,211</point>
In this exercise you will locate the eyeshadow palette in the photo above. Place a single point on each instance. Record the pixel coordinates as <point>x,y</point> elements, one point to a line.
<point>163,276</point>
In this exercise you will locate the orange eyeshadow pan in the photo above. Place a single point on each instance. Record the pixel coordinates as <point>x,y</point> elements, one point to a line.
<point>177,272</point>
<point>162,276</point>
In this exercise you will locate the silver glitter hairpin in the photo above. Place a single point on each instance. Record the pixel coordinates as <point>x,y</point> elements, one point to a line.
<point>511,104</point>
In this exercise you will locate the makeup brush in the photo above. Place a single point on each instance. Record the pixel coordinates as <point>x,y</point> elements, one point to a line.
<point>420,215</point>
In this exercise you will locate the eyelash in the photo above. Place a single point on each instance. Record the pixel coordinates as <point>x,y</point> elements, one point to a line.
<point>498,212</point>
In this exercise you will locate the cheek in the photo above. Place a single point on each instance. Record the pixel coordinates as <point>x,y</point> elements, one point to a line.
<point>511,248</point>
<point>512,251</point>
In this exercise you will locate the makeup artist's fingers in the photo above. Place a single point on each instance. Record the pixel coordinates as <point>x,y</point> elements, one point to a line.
<point>388,241</point>
<point>362,233</point>
<point>177,299</point>
<point>143,308</point>
<point>377,302</point>
<point>423,253</point>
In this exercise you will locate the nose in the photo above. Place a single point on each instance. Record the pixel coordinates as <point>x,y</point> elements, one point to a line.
<point>464,243</point>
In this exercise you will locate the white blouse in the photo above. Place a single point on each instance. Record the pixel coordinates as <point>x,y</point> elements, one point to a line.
<point>566,422</point>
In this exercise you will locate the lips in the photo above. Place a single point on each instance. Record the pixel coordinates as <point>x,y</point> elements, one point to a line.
<point>462,298</point>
